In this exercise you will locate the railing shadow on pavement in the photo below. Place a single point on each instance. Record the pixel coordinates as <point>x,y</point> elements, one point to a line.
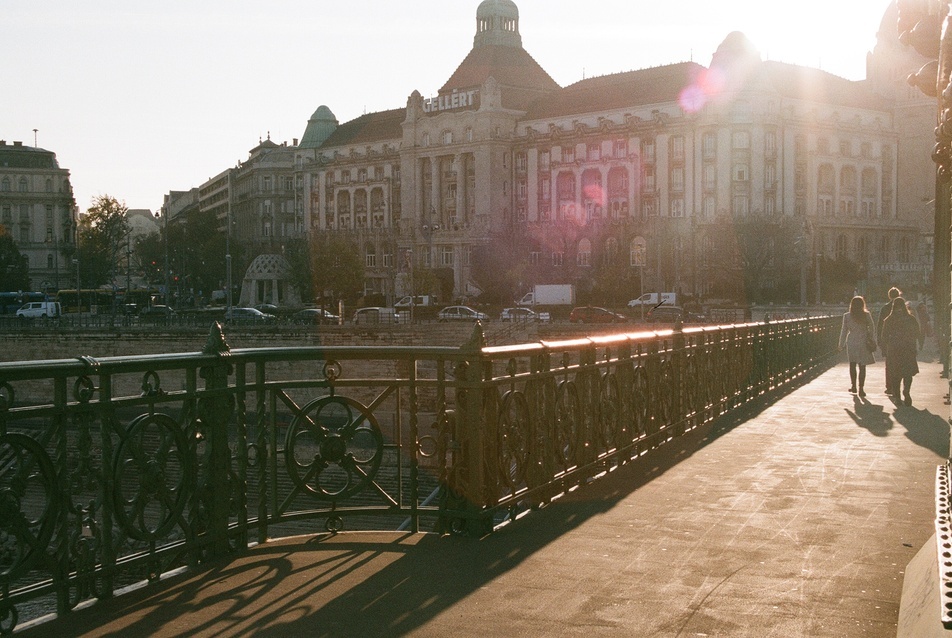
<point>120,469</point>
<point>346,585</point>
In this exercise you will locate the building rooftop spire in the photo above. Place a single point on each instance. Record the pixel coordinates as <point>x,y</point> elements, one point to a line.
<point>497,22</point>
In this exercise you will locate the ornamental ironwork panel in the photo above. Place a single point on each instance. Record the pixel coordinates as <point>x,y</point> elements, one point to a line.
<point>116,470</point>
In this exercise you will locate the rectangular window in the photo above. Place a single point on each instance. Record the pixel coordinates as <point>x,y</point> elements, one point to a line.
<point>371,260</point>
<point>594,152</point>
<point>621,149</point>
<point>648,151</point>
<point>709,177</point>
<point>770,143</point>
<point>648,179</point>
<point>709,145</point>
<point>388,260</point>
<point>708,207</point>
<point>677,178</point>
<point>583,258</point>
<point>544,161</point>
<point>558,258</point>
<point>534,258</point>
<point>740,140</point>
<point>568,154</point>
<point>677,207</point>
<point>770,176</point>
<point>741,172</point>
<point>677,148</point>
<point>446,256</point>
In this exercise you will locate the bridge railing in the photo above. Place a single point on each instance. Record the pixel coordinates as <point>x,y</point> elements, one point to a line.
<point>117,470</point>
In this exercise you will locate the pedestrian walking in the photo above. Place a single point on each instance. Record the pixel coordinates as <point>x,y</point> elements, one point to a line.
<point>858,336</point>
<point>892,381</point>
<point>902,338</point>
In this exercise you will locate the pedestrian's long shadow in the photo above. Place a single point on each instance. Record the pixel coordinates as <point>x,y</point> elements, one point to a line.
<point>925,429</point>
<point>871,416</point>
<point>349,586</point>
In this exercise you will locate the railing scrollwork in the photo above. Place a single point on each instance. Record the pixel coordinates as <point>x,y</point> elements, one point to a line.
<point>118,469</point>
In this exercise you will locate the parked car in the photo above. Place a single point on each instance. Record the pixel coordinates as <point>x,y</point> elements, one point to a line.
<point>314,315</point>
<point>595,314</point>
<point>522,315</point>
<point>376,315</point>
<point>461,313</point>
<point>666,314</point>
<point>156,312</point>
<point>248,315</point>
<point>267,308</point>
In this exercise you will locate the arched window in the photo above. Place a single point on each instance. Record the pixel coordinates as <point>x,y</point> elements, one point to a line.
<point>841,247</point>
<point>370,256</point>
<point>905,250</point>
<point>584,255</point>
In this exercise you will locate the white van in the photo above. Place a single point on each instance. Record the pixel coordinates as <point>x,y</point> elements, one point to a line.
<point>40,309</point>
<point>654,299</point>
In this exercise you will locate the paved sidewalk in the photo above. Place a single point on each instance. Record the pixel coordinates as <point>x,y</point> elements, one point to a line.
<point>795,520</point>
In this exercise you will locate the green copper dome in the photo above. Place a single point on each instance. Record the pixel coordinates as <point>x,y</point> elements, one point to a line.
<point>319,128</point>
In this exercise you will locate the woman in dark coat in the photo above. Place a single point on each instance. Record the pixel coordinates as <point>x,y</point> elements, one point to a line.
<point>857,332</point>
<point>902,338</point>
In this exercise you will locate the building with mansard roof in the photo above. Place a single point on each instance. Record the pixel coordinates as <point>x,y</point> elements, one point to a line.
<point>38,210</point>
<point>747,180</point>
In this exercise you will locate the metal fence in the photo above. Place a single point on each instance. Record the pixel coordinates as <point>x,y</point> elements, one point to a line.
<point>119,469</point>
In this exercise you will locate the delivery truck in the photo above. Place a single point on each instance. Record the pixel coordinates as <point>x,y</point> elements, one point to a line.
<point>549,295</point>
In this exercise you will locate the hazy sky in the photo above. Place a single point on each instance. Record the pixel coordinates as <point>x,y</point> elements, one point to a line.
<point>139,98</point>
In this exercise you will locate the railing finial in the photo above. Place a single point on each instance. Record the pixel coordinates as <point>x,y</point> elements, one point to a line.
<point>216,344</point>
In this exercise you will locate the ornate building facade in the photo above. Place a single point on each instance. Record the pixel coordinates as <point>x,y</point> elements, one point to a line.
<point>750,180</point>
<point>38,210</point>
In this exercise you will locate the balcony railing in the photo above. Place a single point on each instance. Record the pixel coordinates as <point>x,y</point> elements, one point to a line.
<point>119,469</point>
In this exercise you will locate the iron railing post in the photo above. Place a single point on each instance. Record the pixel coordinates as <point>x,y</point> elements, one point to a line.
<point>478,486</point>
<point>215,409</point>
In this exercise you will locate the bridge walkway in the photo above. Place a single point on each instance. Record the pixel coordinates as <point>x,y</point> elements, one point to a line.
<point>794,518</point>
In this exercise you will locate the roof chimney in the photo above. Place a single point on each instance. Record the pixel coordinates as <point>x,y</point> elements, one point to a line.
<point>18,143</point>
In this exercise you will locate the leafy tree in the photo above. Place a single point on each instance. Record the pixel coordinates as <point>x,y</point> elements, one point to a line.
<point>337,268</point>
<point>14,273</point>
<point>298,254</point>
<point>755,259</point>
<point>498,269</point>
<point>103,231</point>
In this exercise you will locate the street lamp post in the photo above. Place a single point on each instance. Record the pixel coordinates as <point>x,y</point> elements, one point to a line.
<point>79,304</point>
<point>228,262</point>
<point>412,291</point>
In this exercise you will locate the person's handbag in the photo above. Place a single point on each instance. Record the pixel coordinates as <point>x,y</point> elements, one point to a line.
<point>870,342</point>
